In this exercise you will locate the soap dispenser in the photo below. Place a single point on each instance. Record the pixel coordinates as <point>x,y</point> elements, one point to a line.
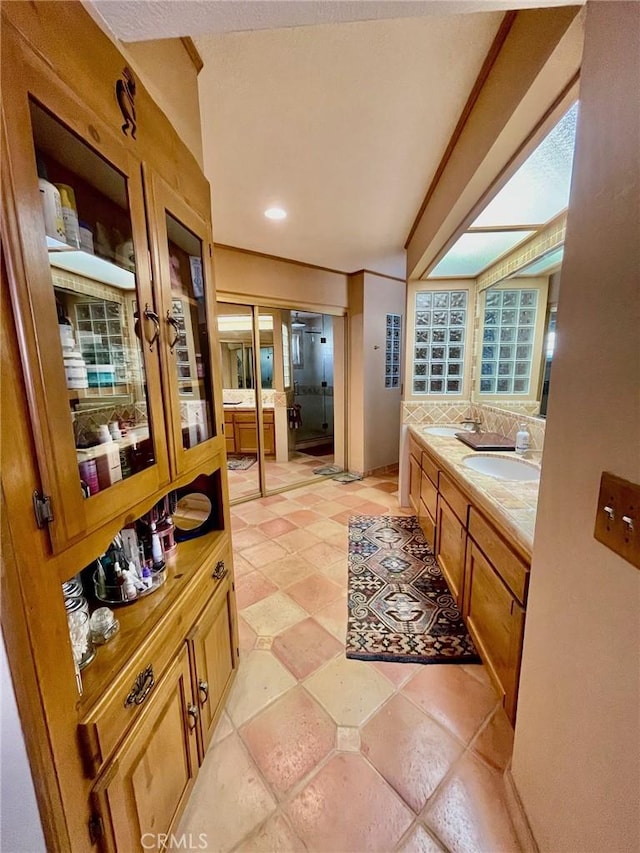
<point>523,439</point>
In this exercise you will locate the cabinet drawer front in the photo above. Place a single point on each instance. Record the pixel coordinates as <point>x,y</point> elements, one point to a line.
<point>428,494</point>
<point>430,468</point>
<point>454,497</point>
<point>146,786</point>
<point>514,572</point>
<point>415,449</point>
<point>268,416</point>
<point>414,483</point>
<point>246,417</point>
<point>428,526</point>
<point>228,417</point>
<point>106,724</point>
<point>496,623</point>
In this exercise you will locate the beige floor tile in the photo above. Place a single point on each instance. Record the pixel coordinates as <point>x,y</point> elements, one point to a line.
<point>275,835</point>
<point>273,614</point>
<point>297,539</point>
<point>229,799</point>
<point>247,538</point>
<point>261,679</point>
<point>337,572</point>
<point>350,690</point>
<point>289,570</point>
<point>348,739</point>
<point>224,727</point>
<point>333,617</point>
<point>323,555</point>
<point>261,555</point>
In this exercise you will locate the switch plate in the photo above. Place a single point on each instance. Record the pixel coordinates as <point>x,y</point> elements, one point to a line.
<point>618,517</point>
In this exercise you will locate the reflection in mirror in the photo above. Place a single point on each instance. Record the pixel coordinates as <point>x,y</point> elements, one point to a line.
<point>192,511</point>
<point>235,330</point>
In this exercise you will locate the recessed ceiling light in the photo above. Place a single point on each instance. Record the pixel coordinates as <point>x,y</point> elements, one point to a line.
<point>275,213</point>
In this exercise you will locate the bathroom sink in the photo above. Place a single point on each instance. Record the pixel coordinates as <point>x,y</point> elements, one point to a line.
<point>443,430</point>
<point>502,467</point>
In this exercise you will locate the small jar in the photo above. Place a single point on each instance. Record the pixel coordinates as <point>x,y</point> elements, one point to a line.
<point>104,625</point>
<point>79,631</point>
<point>73,588</point>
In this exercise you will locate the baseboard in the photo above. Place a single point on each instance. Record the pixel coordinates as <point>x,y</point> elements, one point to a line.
<point>518,815</point>
<point>382,471</point>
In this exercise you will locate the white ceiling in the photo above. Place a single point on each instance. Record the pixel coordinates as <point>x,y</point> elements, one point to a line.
<point>342,124</point>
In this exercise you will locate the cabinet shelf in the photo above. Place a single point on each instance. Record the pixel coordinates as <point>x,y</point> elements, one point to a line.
<point>76,261</point>
<point>143,618</point>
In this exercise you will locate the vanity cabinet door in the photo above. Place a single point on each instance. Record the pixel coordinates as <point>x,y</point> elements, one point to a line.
<point>144,788</point>
<point>495,620</point>
<point>214,659</point>
<point>83,303</point>
<point>451,541</point>
<point>181,253</point>
<point>415,475</point>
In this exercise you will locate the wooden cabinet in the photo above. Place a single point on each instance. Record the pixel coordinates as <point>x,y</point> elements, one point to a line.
<point>451,538</point>
<point>486,576</point>
<point>495,620</point>
<point>145,786</point>
<point>213,658</point>
<point>244,435</point>
<point>120,332</point>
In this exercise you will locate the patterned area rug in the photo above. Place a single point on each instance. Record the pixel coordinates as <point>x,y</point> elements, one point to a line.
<point>400,607</point>
<point>241,464</point>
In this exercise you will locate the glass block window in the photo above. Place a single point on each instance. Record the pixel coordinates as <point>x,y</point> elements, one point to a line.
<point>507,341</point>
<point>438,346</point>
<point>392,351</point>
<point>103,346</point>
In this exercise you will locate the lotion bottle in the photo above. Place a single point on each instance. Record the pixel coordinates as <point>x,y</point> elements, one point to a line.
<point>523,439</point>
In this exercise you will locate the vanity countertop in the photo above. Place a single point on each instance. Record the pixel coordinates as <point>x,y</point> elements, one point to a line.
<point>510,504</point>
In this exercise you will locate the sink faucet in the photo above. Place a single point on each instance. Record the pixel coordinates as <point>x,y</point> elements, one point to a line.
<point>474,424</point>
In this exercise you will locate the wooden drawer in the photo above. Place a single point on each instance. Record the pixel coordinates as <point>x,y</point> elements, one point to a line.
<point>228,417</point>
<point>454,497</point>
<point>428,526</point>
<point>430,468</point>
<point>415,475</point>
<point>429,494</point>
<point>513,570</point>
<point>415,449</point>
<point>246,417</point>
<point>107,722</point>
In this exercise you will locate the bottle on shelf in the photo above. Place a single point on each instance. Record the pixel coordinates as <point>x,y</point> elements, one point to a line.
<point>70,215</point>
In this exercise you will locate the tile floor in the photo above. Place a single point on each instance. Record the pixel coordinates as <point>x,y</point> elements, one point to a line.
<point>319,753</point>
<point>297,470</point>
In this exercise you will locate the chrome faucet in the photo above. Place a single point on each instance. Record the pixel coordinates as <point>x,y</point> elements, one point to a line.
<point>474,424</point>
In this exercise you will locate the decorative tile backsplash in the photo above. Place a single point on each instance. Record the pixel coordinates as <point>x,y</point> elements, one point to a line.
<point>247,397</point>
<point>504,419</point>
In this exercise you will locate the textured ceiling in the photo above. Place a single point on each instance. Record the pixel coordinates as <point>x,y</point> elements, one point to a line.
<point>342,125</point>
<point>139,20</point>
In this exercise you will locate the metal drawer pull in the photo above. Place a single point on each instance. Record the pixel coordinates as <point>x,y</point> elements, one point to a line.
<point>192,711</point>
<point>203,687</point>
<point>142,686</point>
<point>220,570</point>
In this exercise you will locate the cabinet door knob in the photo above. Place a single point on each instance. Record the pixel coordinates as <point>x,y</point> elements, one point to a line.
<point>141,687</point>
<point>192,712</point>
<point>220,571</point>
<point>203,687</point>
<point>171,320</point>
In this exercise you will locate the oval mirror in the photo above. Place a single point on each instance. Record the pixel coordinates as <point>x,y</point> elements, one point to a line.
<point>192,511</point>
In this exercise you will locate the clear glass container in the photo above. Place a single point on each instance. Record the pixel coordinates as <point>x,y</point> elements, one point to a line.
<point>80,631</point>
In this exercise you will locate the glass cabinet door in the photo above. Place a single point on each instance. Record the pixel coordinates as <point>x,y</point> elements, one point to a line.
<point>188,327</point>
<point>96,401</point>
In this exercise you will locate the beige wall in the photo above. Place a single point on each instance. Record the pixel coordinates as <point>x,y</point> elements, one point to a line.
<point>271,281</point>
<point>374,411</point>
<point>576,759</point>
<point>170,77</point>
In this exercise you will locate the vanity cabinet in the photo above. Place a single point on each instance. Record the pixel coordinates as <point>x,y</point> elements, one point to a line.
<point>114,338</point>
<point>415,473</point>
<point>241,428</point>
<point>487,577</point>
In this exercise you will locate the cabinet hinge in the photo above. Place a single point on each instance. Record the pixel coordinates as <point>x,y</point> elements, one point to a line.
<point>42,509</point>
<point>222,427</point>
<point>210,250</point>
<point>96,828</point>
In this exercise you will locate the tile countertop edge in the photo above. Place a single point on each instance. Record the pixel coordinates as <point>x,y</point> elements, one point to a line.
<point>516,523</point>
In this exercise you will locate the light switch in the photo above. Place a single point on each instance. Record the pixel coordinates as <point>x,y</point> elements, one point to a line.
<point>618,517</point>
